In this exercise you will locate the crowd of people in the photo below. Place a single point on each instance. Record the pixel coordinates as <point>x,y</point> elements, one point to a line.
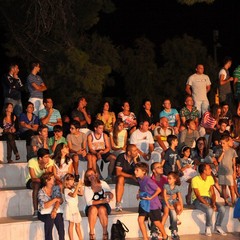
<point>199,145</point>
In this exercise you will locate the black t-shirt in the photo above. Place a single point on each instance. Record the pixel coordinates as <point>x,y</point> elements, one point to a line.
<point>170,158</point>
<point>216,136</point>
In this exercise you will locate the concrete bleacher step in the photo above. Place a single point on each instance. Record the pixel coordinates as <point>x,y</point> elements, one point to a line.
<point>193,222</point>
<point>21,146</point>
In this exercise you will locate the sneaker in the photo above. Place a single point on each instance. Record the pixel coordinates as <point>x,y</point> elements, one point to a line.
<point>220,231</point>
<point>118,207</point>
<point>35,214</point>
<point>208,231</point>
<point>108,179</point>
<point>174,235</point>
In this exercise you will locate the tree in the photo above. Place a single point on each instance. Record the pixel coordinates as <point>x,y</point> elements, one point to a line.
<point>191,2</point>
<point>180,56</point>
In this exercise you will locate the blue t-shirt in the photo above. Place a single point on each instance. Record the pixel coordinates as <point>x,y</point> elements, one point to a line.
<point>53,119</point>
<point>171,116</point>
<point>23,118</point>
<point>34,79</point>
<point>149,186</point>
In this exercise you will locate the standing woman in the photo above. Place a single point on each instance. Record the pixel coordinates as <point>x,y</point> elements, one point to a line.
<point>28,126</point>
<point>107,117</point>
<point>8,123</point>
<point>97,195</point>
<point>50,211</point>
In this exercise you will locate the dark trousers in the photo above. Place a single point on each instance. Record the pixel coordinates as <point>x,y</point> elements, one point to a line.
<point>11,144</point>
<point>27,135</point>
<point>49,223</point>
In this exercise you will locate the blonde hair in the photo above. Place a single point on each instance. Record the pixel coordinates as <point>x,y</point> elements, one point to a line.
<point>67,177</point>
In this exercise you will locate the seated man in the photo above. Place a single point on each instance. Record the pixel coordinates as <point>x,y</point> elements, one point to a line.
<point>204,199</point>
<point>143,140</point>
<point>124,168</point>
<point>39,141</point>
<point>160,134</point>
<point>37,166</point>
<point>50,116</point>
<point>82,115</point>
<point>99,149</point>
<point>172,115</point>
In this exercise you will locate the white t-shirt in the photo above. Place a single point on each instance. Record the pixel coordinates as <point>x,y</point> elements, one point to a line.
<point>198,83</point>
<point>142,140</point>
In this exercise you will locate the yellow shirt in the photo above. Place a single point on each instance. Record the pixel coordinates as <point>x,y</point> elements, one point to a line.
<point>203,186</point>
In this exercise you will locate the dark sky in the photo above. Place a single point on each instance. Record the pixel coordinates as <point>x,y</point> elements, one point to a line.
<point>159,20</point>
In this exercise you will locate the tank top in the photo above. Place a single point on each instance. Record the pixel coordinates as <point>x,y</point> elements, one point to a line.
<point>98,144</point>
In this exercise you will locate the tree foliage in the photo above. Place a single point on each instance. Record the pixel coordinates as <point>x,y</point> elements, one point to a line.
<point>191,2</point>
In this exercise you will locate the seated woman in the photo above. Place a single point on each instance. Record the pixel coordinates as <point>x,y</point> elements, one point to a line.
<point>63,163</point>
<point>97,195</point>
<point>9,125</point>
<point>189,135</point>
<point>118,138</point>
<point>128,118</point>
<point>107,117</point>
<point>36,167</point>
<point>50,211</point>
<point>28,126</point>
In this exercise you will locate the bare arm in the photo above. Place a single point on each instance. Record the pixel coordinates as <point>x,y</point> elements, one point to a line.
<point>188,89</point>
<point>40,88</point>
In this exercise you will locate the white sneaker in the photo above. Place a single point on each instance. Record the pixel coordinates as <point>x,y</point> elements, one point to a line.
<point>208,231</point>
<point>35,214</point>
<point>220,231</point>
<point>118,207</point>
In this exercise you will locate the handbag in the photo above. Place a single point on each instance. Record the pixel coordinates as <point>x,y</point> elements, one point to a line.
<point>118,231</point>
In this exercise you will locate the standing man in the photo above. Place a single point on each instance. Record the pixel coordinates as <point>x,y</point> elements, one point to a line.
<point>36,87</point>
<point>197,86</point>
<point>13,86</point>
<point>82,115</point>
<point>124,167</point>
<point>50,116</point>
<point>225,90</point>
<point>204,199</point>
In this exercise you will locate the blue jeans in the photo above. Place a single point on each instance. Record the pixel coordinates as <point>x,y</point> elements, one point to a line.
<point>173,220</point>
<point>209,211</point>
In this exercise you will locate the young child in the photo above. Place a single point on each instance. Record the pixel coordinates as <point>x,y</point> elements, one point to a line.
<point>173,199</point>
<point>187,167</point>
<point>170,161</point>
<point>149,205</point>
<point>72,214</point>
<point>227,169</point>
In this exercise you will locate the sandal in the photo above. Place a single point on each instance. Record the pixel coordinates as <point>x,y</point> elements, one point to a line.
<point>92,236</point>
<point>17,156</point>
<point>105,236</point>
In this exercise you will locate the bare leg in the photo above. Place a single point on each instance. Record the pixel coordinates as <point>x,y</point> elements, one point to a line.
<point>111,165</point>
<point>103,218</point>
<point>78,231</point>
<point>119,188</point>
<point>165,215</point>
<point>232,192</point>
<point>92,218</point>
<point>75,164</point>
<point>224,193</point>
<point>142,226</point>
<point>70,230</point>
<point>160,226</point>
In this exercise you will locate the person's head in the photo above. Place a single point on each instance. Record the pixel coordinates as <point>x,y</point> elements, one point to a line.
<point>74,126</point>
<point>35,66</point>
<point>61,150</point>
<point>189,101</point>
<point>215,111</point>
<point>43,155</point>
<point>225,108</point>
<point>205,169</point>
<point>106,106</point>
<point>238,169</point>
<point>66,119</point>
<point>224,141</point>
<point>156,168</point>
<point>201,143</point>
<point>167,104</point>
<point>146,104</point>
<point>164,123</point>
<point>199,69</point>
<point>173,179</point>
<point>132,150</point>
<point>13,69</point>
<point>185,151</point>
<point>68,181</point>
<point>58,131</point>
<point>90,176</point>
<point>29,107</point>
<point>126,106</point>
<point>47,179</point>
<point>144,126</point>
<point>190,124</point>
<point>8,108</point>
<point>227,62</point>
<point>43,131</point>
<point>141,169</point>
<point>172,140</point>
<point>98,126</point>
<point>223,124</point>
<point>119,125</point>
<point>82,102</point>
<point>48,103</point>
